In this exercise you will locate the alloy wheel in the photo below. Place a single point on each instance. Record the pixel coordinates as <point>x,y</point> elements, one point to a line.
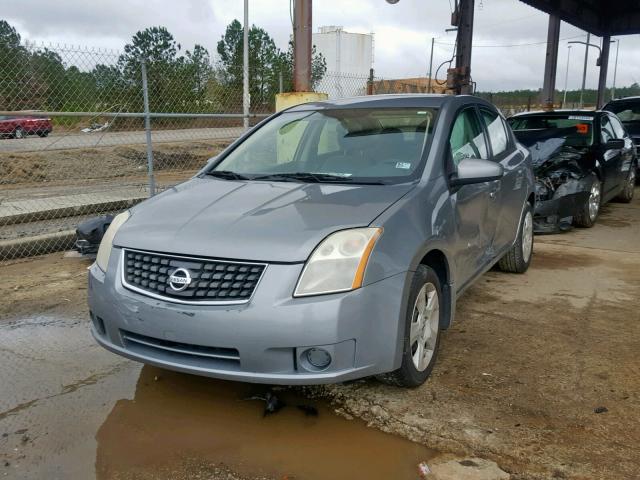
<point>631,181</point>
<point>527,237</point>
<point>424,326</point>
<point>594,200</point>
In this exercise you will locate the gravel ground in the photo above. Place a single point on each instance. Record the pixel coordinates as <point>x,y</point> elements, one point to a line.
<point>522,373</point>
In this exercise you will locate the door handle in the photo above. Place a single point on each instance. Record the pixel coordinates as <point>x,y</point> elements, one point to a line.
<point>492,194</point>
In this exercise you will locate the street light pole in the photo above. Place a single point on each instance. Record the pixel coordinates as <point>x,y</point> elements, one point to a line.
<point>245,67</point>
<point>584,71</point>
<point>433,39</point>
<point>566,78</point>
<point>615,69</point>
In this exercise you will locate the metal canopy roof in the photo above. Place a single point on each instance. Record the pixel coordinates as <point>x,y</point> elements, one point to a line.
<point>599,17</point>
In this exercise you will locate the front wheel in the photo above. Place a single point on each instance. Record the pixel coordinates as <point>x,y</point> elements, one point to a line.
<point>422,331</point>
<point>518,258</point>
<point>18,133</point>
<point>588,212</point>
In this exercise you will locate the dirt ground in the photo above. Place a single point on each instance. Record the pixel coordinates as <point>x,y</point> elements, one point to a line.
<point>55,168</point>
<point>522,373</point>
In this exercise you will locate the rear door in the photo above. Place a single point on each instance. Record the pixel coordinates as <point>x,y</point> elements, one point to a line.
<point>508,195</point>
<point>475,219</point>
<point>627,153</point>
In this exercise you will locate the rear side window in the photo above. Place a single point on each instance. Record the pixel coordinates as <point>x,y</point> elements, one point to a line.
<point>496,130</point>
<point>467,139</point>
<point>618,129</point>
<point>606,130</point>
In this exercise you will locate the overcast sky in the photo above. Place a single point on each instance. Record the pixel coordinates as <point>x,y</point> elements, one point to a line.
<point>402,32</point>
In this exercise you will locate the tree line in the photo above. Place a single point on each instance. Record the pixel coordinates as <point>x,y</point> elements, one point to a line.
<point>191,82</point>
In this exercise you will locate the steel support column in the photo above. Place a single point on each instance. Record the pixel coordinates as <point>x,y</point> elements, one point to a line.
<point>551,62</point>
<point>604,65</point>
<point>302,25</point>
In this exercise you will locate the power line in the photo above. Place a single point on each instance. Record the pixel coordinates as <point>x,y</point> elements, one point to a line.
<point>511,45</point>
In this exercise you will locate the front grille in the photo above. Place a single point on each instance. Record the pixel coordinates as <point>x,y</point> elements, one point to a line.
<point>198,355</point>
<point>211,281</point>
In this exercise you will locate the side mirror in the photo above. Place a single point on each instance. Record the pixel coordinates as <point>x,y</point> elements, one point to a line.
<point>474,170</point>
<point>614,144</point>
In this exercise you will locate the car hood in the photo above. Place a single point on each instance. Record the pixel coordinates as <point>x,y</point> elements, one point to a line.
<point>267,221</point>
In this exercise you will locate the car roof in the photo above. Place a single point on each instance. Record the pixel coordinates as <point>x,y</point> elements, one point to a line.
<point>625,99</point>
<point>392,100</point>
<point>552,113</point>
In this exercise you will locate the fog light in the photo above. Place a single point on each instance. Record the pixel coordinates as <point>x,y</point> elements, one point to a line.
<point>318,357</point>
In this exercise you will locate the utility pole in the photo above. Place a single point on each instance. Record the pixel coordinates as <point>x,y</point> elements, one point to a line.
<point>459,78</point>
<point>246,100</point>
<point>302,22</point>
<point>433,39</point>
<point>566,78</point>
<point>551,62</point>
<point>584,71</point>
<point>615,69</point>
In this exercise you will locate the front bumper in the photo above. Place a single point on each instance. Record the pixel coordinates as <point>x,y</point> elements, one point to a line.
<point>556,214</point>
<point>263,341</point>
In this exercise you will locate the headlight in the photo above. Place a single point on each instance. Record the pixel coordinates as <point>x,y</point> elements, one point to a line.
<point>338,263</point>
<point>102,259</point>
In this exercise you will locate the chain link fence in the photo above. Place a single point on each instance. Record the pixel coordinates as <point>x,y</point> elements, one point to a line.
<point>86,132</point>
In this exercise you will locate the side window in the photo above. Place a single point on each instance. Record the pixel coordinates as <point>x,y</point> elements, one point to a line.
<point>467,139</point>
<point>618,129</point>
<point>496,130</point>
<point>606,129</point>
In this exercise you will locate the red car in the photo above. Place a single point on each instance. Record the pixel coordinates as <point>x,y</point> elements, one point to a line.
<point>21,126</point>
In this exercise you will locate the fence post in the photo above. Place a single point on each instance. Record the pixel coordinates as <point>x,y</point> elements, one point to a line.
<point>147,128</point>
<point>370,82</point>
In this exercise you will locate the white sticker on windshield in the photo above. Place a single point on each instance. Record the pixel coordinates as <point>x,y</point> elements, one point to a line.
<point>582,119</point>
<point>403,165</point>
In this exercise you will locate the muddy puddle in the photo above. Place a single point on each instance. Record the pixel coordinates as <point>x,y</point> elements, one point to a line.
<point>174,417</point>
<point>70,409</point>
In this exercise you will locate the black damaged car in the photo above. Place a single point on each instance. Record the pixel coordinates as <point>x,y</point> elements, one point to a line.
<point>581,159</point>
<point>628,111</point>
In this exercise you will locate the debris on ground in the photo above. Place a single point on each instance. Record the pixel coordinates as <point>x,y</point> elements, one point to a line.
<point>90,233</point>
<point>423,470</point>
<point>600,410</point>
<point>273,404</point>
<point>467,469</point>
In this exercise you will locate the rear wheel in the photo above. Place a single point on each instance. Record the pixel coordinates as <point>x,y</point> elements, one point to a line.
<point>588,212</point>
<point>518,259</point>
<point>18,133</point>
<point>630,185</point>
<point>43,133</point>
<point>422,331</point>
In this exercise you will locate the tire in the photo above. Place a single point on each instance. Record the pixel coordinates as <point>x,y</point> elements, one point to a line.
<point>518,258</point>
<point>18,133</point>
<point>588,212</point>
<point>414,372</point>
<point>626,196</point>
<point>43,133</point>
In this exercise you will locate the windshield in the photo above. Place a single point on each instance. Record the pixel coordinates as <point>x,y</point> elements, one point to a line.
<point>577,130</point>
<point>350,145</point>
<point>627,112</point>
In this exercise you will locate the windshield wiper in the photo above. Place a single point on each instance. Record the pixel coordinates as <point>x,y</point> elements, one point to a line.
<point>227,175</point>
<point>314,178</point>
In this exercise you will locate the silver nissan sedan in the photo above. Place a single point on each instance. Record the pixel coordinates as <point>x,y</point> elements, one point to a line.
<point>328,243</point>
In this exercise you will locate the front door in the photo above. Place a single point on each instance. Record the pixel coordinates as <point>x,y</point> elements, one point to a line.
<point>474,204</point>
